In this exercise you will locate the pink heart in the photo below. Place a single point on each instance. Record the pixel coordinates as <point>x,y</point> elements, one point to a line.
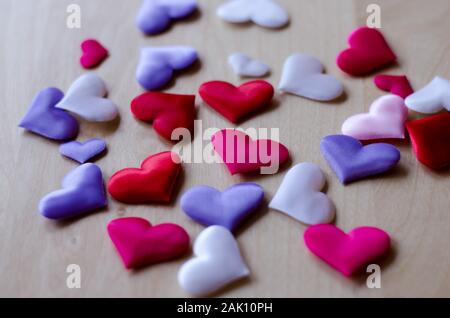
<point>93,53</point>
<point>395,84</point>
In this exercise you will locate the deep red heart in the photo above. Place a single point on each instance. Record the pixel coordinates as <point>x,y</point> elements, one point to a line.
<point>152,183</point>
<point>93,53</point>
<point>395,84</point>
<point>368,51</point>
<point>430,138</point>
<point>236,103</point>
<point>167,111</point>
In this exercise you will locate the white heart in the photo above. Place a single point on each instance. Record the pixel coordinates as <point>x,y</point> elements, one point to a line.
<point>432,98</point>
<point>302,76</point>
<point>218,262</point>
<point>299,196</point>
<point>85,98</point>
<point>265,13</point>
<point>245,66</point>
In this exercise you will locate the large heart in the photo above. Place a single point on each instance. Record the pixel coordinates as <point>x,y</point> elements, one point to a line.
<point>431,99</point>
<point>237,103</point>
<point>93,53</point>
<point>167,112</point>
<point>154,182</point>
<point>229,208</point>
<point>82,192</point>
<point>299,195</point>
<point>140,244</point>
<point>347,253</point>
<point>302,76</point>
<point>395,84</point>
<point>352,161</point>
<point>217,263</point>
<point>245,66</point>
<point>83,151</point>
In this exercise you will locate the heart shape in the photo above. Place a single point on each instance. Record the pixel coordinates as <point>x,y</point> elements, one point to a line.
<point>154,182</point>
<point>385,120</point>
<point>245,66</point>
<point>83,151</point>
<point>241,154</point>
<point>302,76</point>
<point>157,64</point>
<point>352,161</point>
<point>265,13</point>
<point>82,192</point>
<point>229,208</point>
<point>218,262</point>
<point>368,52</point>
<point>236,103</point>
<point>431,99</point>
<point>395,84</point>
<point>156,16</point>
<point>140,244</point>
<point>299,195</point>
<point>85,98</point>
<point>347,253</point>
<point>167,112</point>
<point>93,53</point>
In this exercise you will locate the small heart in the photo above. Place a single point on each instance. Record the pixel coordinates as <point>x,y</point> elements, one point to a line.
<point>157,64</point>
<point>243,65</point>
<point>82,152</point>
<point>350,252</point>
<point>368,52</point>
<point>218,262</point>
<point>302,76</point>
<point>352,161</point>
<point>385,120</point>
<point>167,112</point>
<point>82,192</point>
<point>154,182</point>
<point>85,99</point>
<point>299,195</point>
<point>395,84</point>
<point>432,98</point>
<point>237,103</point>
<point>229,208</point>
<point>140,244</point>
<point>93,53</point>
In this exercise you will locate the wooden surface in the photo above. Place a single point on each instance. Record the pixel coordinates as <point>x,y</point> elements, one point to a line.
<point>38,51</point>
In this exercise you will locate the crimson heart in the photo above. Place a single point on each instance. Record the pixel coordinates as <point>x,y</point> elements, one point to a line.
<point>396,84</point>
<point>167,111</point>
<point>152,183</point>
<point>93,53</point>
<point>236,103</point>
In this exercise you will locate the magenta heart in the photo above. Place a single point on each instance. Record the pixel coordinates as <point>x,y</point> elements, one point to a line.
<point>82,152</point>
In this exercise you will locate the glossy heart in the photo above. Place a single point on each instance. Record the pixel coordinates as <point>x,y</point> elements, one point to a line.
<point>83,151</point>
<point>93,53</point>
<point>396,84</point>
<point>431,99</point>
<point>245,66</point>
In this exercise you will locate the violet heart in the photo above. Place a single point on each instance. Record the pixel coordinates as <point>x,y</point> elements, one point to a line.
<point>229,208</point>
<point>82,192</point>
<point>352,161</point>
<point>83,151</point>
<point>44,119</point>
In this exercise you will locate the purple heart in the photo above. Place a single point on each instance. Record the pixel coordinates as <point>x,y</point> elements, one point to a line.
<point>44,119</point>
<point>229,208</point>
<point>352,161</point>
<point>82,152</point>
<point>155,16</point>
<point>157,64</point>
<point>82,192</point>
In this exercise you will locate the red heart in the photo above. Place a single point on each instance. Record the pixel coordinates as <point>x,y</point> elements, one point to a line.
<point>152,183</point>
<point>167,111</point>
<point>236,103</point>
<point>368,51</point>
<point>430,138</point>
<point>140,244</point>
<point>93,53</point>
<point>398,85</point>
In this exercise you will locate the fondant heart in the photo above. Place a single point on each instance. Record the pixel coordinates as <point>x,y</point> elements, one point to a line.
<point>82,152</point>
<point>167,111</point>
<point>347,253</point>
<point>385,120</point>
<point>432,98</point>
<point>299,195</point>
<point>85,98</point>
<point>368,52</point>
<point>265,13</point>
<point>395,84</point>
<point>229,208</point>
<point>241,154</point>
<point>140,244</point>
<point>157,64</point>
<point>352,161</point>
<point>237,103</point>
<point>154,182</point>
<point>93,53</point>
<point>243,65</point>
<point>44,119</point>
<point>302,76</point>
<point>217,263</point>
<point>82,192</point>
